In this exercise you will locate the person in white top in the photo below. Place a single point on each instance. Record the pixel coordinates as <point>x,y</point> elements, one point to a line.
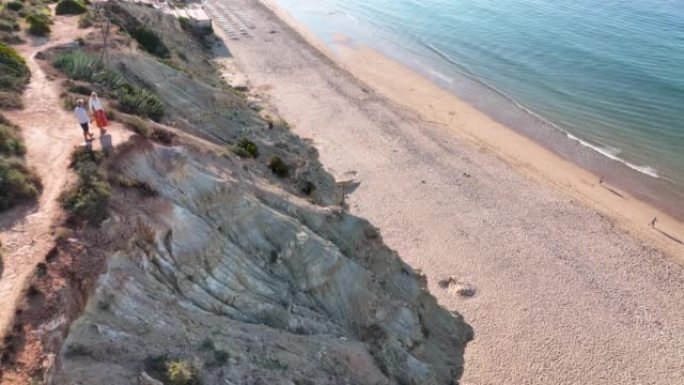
<point>98,111</point>
<point>83,119</point>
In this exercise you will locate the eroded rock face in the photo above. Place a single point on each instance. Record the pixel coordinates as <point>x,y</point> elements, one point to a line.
<point>289,292</point>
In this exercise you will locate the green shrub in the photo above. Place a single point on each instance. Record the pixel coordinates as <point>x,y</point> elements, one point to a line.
<point>181,373</point>
<point>17,183</point>
<point>70,7</point>
<point>88,201</point>
<point>86,20</point>
<point>307,188</point>
<point>14,74</point>
<point>141,102</point>
<point>246,149</point>
<point>184,22</point>
<point>11,143</point>
<point>10,100</point>
<point>10,38</point>
<point>163,136</point>
<point>9,25</point>
<point>279,167</point>
<point>221,357</point>
<point>80,89</point>
<point>113,80</point>
<point>82,155</point>
<point>14,5</point>
<point>39,25</point>
<point>140,126</point>
<point>150,42</point>
<point>69,102</point>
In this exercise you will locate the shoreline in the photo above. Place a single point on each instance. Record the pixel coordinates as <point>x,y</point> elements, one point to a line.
<point>434,104</point>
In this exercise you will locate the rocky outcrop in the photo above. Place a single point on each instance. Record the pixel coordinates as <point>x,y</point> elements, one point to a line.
<point>288,291</point>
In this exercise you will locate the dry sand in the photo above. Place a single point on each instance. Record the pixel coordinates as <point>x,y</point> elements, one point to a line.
<point>570,284</point>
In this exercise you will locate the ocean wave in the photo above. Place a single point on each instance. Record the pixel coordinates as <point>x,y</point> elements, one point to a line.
<point>441,76</point>
<point>613,153</point>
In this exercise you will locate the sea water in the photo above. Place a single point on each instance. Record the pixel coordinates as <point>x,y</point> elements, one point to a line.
<point>599,82</point>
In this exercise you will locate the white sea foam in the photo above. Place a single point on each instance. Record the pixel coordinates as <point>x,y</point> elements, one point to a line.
<point>613,153</point>
<point>441,76</point>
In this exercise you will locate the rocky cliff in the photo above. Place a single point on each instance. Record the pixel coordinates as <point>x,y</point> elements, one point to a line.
<point>215,268</point>
<point>287,291</point>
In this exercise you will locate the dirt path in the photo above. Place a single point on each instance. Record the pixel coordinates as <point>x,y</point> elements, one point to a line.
<point>51,135</point>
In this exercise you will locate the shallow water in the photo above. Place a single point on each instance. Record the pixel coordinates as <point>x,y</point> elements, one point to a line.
<point>608,75</point>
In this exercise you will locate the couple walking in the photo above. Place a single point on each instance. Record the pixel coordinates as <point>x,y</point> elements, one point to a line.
<point>99,116</point>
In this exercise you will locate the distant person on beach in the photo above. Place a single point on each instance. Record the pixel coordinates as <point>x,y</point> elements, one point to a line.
<point>83,119</point>
<point>99,113</point>
<point>653,222</point>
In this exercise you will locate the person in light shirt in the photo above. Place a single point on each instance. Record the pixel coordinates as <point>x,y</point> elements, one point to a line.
<point>99,113</point>
<point>83,119</point>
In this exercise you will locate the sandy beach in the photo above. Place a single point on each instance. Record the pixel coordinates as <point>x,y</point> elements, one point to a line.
<point>571,284</point>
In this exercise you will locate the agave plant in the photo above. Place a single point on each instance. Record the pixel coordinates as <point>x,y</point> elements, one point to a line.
<point>141,102</point>
<point>78,65</point>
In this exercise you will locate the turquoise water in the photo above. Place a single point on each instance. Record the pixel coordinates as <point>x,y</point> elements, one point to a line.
<point>606,74</point>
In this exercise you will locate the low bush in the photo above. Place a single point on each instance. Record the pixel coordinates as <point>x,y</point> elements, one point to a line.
<point>181,373</point>
<point>279,167</point>
<point>80,89</point>
<point>307,188</point>
<point>163,136</point>
<point>125,182</point>
<point>221,357</point>
<point>10,38</point>
<point>18,183</point>
<point>9,25</point>
<point>82,156</point>
<point>14,73</point>
<point>172,372</point>
<point>184,22</point>
<point>69,102</point>
<point>70,7</point>
<point>112,80</point>
<point>10,141</point>
<point>141,102</point>
<point>86,20</point>
<point>39,24</point>
<point>140,126</point>
<point>150,42</point>
<point>88,201</point>
<point>10,100</point>
<point>14,5</point>
<point>245,148</point>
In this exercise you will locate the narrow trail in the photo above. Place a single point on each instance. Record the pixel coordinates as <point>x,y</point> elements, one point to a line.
<point>51,135</point>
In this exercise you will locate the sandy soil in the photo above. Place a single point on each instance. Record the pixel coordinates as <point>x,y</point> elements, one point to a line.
<point>51,134</point>
<point>562,284</point>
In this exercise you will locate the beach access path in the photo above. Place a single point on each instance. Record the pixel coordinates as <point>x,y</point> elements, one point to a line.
<point>557,292</point>
<point>51,135</point>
